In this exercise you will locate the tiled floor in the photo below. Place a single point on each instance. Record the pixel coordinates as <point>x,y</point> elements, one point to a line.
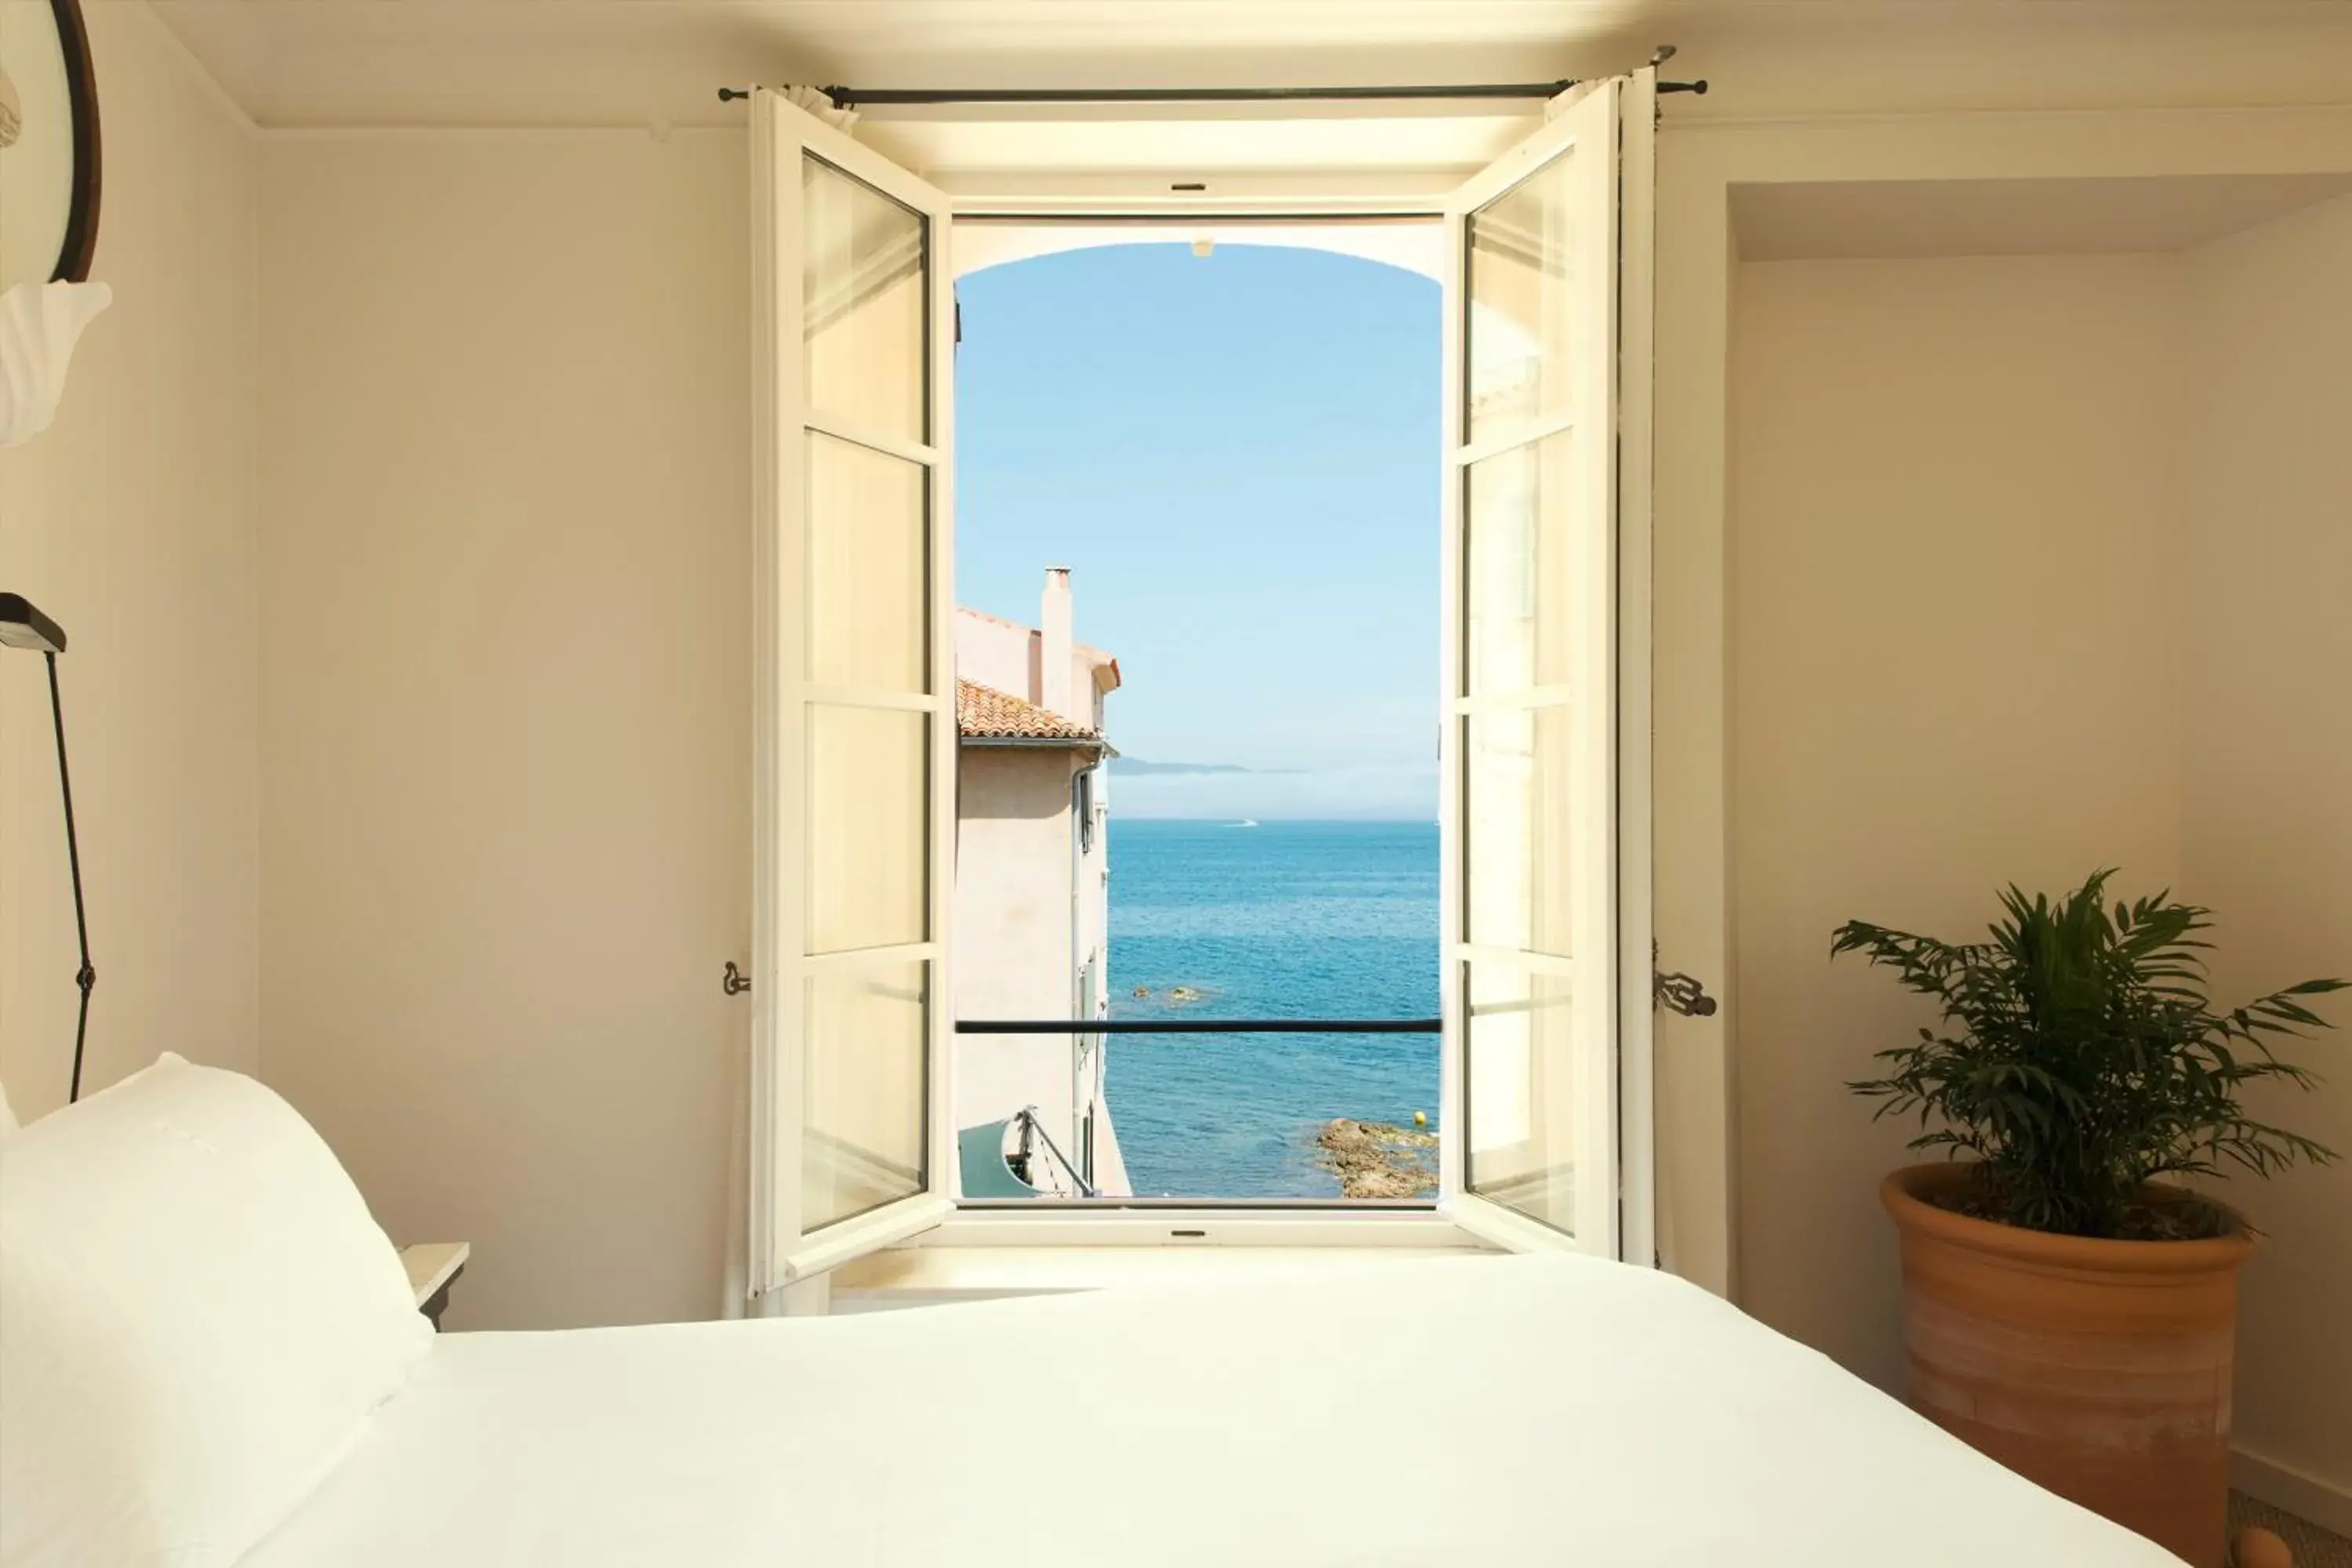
<point>2313,1547</point>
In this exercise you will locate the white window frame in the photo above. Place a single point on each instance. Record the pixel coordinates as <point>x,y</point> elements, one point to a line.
<point>1306,196</point>
<point>782,1252</point>
<point>1615,1086</point>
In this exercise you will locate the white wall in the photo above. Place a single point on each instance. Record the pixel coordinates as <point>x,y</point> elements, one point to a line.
<point>2035,566</point>
<point>505,697</point>
<point>1954,538</point>
<point>2266,765</point>
<point>1012,906</point>
<point>1700,754</point>
<point>996,653</point>
<point>132,522</point>
<point>1702,164</point>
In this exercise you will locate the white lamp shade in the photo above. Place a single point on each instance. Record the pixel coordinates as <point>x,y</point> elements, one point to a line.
<point>39,324</point>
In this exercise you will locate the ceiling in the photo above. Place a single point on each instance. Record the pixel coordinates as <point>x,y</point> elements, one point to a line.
<point>296,62</point>
<point>302,63</point>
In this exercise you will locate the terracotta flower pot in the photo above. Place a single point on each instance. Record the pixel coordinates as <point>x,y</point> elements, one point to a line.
<point>2099,1369</point>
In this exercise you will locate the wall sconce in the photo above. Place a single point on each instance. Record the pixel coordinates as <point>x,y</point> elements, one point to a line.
<point>39,324</point>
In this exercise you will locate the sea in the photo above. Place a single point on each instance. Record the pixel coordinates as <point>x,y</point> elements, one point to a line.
<point>1267,920</point>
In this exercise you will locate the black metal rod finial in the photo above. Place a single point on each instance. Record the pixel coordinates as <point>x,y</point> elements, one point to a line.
<point>729,94</point>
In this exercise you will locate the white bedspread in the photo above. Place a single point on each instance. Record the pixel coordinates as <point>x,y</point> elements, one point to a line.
<point>1479,1411</point>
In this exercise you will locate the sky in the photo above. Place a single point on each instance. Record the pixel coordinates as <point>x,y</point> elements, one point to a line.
<point>1236,456</point>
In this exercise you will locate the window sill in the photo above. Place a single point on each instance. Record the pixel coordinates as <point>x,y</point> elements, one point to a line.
<point>951,1265</point>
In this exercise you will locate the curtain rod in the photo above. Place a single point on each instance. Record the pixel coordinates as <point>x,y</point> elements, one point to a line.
<point>860,97</point>
<point>863,97</point>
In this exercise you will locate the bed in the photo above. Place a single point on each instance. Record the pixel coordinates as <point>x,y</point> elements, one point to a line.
<point>1480,1410</point>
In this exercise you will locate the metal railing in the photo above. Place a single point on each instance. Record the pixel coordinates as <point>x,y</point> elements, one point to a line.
<point>1027,1117</point>
<point>1024,1160</point>
<point>1199,1026</point>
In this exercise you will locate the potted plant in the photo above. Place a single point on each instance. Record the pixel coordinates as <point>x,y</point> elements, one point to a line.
<point>2066,1310</point>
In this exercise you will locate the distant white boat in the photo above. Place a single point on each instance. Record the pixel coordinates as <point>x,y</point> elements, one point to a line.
<point>1246,821</point>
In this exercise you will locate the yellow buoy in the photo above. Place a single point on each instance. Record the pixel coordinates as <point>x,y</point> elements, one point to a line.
<point>1420,1119</point>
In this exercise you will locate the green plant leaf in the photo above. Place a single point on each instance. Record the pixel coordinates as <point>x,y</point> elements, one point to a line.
<point>2080,1054</point>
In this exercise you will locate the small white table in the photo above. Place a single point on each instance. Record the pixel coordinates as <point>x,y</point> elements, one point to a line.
<point>433,1266</point>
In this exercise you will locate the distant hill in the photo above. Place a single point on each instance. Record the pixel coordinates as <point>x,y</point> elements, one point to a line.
<point>1137,766</point>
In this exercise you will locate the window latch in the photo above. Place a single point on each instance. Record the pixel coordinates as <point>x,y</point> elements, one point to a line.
<point>1678,993</point>
<point>735,982</point>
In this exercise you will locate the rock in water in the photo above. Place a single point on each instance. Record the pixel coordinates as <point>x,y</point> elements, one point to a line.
<point>1374,1160</point>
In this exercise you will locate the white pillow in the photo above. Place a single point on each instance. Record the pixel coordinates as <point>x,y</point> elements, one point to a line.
<point>196,1316</point>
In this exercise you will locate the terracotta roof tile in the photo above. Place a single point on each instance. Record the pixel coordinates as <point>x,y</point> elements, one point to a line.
<point>985,714</point>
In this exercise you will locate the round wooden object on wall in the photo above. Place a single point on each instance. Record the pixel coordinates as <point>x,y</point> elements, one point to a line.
<point>48,145</point>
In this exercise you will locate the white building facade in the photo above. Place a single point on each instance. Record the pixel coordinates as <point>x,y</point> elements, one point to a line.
<point>1032,900</point>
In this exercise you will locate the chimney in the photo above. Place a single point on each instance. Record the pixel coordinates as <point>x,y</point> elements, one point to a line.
<point>1054,656</point>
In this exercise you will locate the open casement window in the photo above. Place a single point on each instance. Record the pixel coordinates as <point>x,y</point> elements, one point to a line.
<point>855,751</point>
<point>1546,750</point>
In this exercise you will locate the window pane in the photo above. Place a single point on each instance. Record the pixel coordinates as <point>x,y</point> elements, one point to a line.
<point>1520,349</point>
<point>865,1090</point>
<point>864,301</point>
<point>1516,841</point>
<point>1519,599</point>
<point>1520,1100</point>
<point>868,827</point>
<point>869,565</point>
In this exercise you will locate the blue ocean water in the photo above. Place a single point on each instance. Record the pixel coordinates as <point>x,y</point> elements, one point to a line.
<point>1283,920</point>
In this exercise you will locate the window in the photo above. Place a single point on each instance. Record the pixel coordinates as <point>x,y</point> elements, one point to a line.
<point>1546,470</point>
